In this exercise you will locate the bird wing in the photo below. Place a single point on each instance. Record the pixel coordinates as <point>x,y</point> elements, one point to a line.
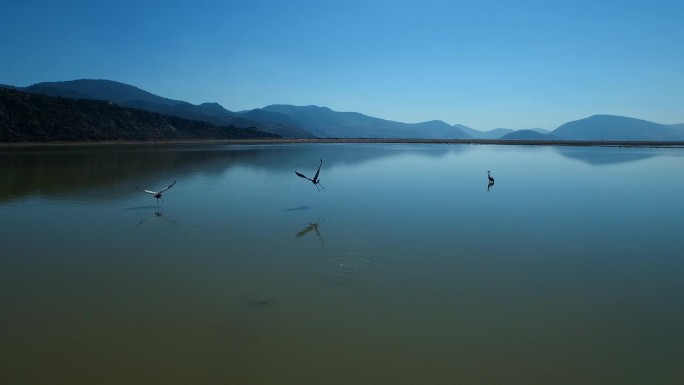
<point>171,185</point>
<point>146,191</point>
<point>301,175</point>
<point>319,170</point>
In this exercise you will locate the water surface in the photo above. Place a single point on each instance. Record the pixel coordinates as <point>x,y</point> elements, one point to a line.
<point>407,268</point>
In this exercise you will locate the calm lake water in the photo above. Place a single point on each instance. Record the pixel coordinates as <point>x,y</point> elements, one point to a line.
<point>405,269</point>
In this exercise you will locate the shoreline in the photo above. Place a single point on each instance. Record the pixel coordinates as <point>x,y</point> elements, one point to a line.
<point>574,143</point>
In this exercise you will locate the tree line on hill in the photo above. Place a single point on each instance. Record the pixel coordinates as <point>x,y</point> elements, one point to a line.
<point>29,117</point>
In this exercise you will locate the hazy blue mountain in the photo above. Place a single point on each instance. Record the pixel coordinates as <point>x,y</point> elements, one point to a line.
<point>267,116</point>
<point>214,109</point>
<point>286,121</point>
<point>438,129</point>
<point>678,128</point>
<point>269,119</point>
<point>34,117</point>
<point>130,96</point>
<point>313,121</point>
<point>50,90</point>
<point>541,130</point>
<point>326,123</point>
<point>477,134</point>
<point>528,135</point>
<point>610,127</point>
<point>100,89</point>
<point>496,133</point>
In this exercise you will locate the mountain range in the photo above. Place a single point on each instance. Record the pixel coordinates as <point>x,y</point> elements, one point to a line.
<point>322,122</point>
<point>29,117</point>
<point>133,97</point>
<point>608,127</point>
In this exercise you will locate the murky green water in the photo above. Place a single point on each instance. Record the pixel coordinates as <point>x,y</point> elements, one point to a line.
<point>405,269</point>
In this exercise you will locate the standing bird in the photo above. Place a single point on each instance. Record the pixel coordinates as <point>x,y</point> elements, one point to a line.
<point>156,194</point>
<point>315,179</point>
<point>490,183</point>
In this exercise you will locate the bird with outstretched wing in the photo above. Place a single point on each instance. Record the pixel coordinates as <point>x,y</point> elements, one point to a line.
<point>157,194</point>
<point>315,179</point>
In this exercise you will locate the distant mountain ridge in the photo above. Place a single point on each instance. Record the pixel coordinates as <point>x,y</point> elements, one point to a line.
<point>326,123</point>
<point>133,97</point>
<point>610,127</point>
<point>314,121</point>
<point>29,117</point>
<point>100,90</point>
<point>491,134</point>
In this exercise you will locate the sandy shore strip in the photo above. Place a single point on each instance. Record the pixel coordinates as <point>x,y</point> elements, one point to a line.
<point>585,143</point>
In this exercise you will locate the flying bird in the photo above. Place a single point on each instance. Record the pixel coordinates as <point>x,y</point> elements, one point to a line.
<point>157,194</point>
<point>315,180</point>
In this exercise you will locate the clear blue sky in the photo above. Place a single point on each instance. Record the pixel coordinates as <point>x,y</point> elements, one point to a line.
<point>485,64</point>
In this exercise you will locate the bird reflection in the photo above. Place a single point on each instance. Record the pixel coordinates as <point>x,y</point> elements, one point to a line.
<point>312,227</point>
<point>141,208</point>
<point>158,216</point>
<point>489,185</point>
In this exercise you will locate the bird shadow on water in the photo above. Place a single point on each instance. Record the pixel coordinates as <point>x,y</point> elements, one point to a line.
<point>298,208</point>
<point>158,217</point>
<point>258,297</point>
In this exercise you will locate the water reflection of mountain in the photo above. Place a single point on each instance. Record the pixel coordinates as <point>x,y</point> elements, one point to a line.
<point>597,156</point>
<point>113,171</point>
<point>339,154</point>
<point>59,172</point>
